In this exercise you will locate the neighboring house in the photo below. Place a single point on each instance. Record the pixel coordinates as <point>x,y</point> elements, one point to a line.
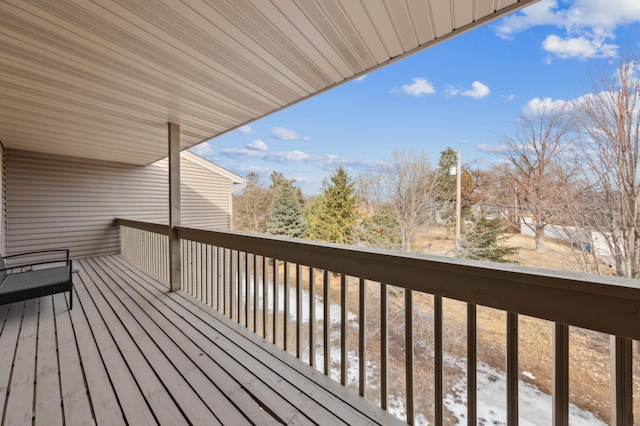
<point>55,201</point>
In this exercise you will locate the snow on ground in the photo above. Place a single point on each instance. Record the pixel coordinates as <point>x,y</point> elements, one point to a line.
<point>535,406</point>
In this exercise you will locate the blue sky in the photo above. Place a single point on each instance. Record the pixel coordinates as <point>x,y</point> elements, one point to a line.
<point>464,93</point>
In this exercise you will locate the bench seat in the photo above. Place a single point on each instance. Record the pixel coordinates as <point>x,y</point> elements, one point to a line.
<point>31,280</point>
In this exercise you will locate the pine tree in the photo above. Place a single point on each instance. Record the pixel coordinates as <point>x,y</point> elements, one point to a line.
<point>336,213</point>
<point>484,241</point>
<point>285,217</point>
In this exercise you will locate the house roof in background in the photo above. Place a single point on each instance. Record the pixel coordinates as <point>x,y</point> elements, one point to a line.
<point>208,165</point>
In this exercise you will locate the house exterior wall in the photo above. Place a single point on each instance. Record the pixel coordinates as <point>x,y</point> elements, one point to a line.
<point>3,201</point>
<point>67,202</point>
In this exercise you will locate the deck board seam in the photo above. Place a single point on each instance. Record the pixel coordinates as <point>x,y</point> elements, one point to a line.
<point>94,341</point>
<point>129,342</point>
<point>162,292</point>
<point>114,282</point>
<point>15,351</point>
<point>112,339</point>
<point>196,344</point>
<point>189,301</point>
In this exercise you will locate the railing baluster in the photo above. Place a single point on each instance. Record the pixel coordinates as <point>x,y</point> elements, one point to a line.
<point>287,308</point>
<point>255,293</point>
<point>275,301</point>
<point>312,317</point>
<point>265,295</point>
<point>408,335</point>
<point>343,329</point>
<point>220,277</point>
<point>560,375</point>
<point>439,355</point>
<point>512,369</point>
<point>384,346</point>
<point>202,293</point>
<point>298,310</point>
<point>325,321</point>
<point>224,281</point>
<point>362,338</point>
<point>621,381</point>
<point>472,376</point>
<point>246,289</point>
<point>233,284</point>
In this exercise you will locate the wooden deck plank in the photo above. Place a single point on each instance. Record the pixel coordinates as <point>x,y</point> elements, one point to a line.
<point>48,410</point>
<point>133,353</point>
<point>312,384</point>
<point>103,398</point>
<point>134,406</point>
<point>163,355</point>
<point>8,346</point>
<point>152,388</point>
<point>19,408</point>
<point>208,377</point>
<point>75,400</point>
<point>272,391</point>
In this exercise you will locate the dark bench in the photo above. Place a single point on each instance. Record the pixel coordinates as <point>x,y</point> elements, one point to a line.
<point>30,280</point>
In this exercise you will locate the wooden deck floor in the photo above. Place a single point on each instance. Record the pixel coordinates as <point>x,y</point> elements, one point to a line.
<point>131,353</point>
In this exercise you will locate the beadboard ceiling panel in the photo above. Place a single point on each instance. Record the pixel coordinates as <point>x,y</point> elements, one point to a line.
<point>101,79</point>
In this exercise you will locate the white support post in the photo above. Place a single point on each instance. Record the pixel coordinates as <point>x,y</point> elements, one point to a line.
<point>175,262</point>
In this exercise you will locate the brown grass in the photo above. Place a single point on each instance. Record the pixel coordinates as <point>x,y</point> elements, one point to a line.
<point>589,351</point>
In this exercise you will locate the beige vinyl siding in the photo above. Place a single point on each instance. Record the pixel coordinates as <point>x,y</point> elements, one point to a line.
<point>66,202</point>
<point>200,185</point>
<point>3,201</point>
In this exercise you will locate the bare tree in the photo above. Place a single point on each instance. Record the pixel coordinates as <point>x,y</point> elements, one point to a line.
<point>609,123</point>
<point>535,153</point>
<point>251,208</point>
<point>411,186</point>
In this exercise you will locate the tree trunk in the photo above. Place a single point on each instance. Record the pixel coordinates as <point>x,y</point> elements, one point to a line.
<point>539,228</point>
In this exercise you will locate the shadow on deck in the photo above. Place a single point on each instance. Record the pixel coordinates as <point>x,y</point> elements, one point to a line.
<point>131,352</point>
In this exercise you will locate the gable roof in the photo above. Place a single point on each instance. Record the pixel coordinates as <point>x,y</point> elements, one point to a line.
<point>213,167</point>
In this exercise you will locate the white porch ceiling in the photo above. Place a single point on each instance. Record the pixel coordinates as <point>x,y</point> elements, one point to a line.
<point>101,78</point>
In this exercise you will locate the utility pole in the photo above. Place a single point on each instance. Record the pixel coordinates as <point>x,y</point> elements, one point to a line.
<point>458,172</point>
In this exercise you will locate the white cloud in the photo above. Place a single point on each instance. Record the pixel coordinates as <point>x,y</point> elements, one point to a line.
<point>239,152</point>
<point>419,87</point>
<point>295,156</point>
<point>536,106</point>
<point>589,25</point>
<point>246,130</point>
<point>362,77</point>
<point>478,90</point>
<point>258,144</point>
<point>325,161</point>
<point>203,150</point>
<point>578,47</point>
<point>492,149</point>
<point>451,91</point>
<point>285,134</point>
<point>509,97</point>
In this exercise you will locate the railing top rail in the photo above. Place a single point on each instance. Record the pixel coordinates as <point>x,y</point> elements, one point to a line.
<point>158,228</point>
<point>601,303</point>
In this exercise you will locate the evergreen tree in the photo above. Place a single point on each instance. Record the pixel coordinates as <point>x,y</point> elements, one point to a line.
<point>484,241</point>
<point>380,230</point>
<point>285,217</point>
<point>335,214</point>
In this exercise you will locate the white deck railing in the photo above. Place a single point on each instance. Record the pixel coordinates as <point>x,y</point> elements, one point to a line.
<point>242,276</point>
